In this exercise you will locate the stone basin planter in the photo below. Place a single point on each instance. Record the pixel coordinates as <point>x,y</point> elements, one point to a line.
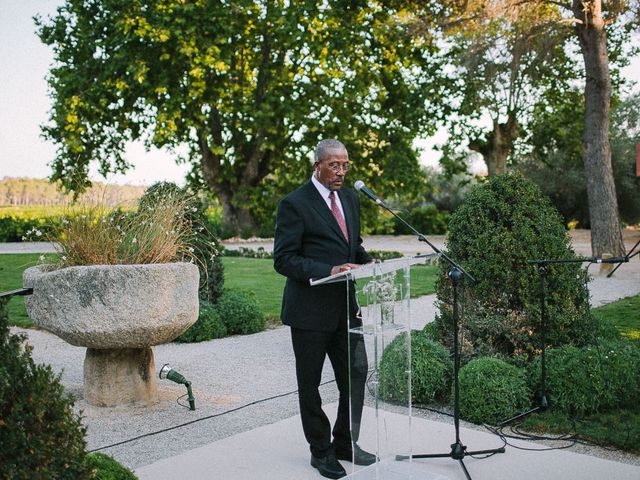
<point>118,312</point>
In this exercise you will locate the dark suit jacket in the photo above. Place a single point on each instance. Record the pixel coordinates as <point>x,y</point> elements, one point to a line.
<point>308,243</point>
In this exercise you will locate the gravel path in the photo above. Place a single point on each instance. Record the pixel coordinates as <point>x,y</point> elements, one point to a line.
<point>243,382</point>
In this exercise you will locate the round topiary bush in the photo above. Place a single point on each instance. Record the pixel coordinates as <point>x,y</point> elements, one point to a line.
<point>240,312</point>
<point>431,369</point>
<point>501,224</point>
<point>492,390</point>
<point>585,380</point>
<point>208,326</point>
<point>40,435</point>
<point>107,468</point>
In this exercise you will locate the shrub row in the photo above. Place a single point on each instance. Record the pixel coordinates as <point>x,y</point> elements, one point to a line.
<point>236,313</point>
<point>13,229</point>
<point>579,380</point>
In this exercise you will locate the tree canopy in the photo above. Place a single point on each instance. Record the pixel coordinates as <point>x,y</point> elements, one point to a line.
<point>249,86</point>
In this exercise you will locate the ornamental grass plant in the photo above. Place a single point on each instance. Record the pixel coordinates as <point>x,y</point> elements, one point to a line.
<point>154,233</point>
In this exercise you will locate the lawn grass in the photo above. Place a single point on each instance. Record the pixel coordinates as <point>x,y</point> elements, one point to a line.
<point>624,314</point>
<point>11,268</point>
<point>254,274</point>
<point>618,429</point>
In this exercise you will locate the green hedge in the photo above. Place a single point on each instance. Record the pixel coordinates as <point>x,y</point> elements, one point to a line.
<point>236,312</point>
<point>590,379</point>
<point>208,326</point>
<point>107,468</point>
<point>426,220</point>
<point>240,312</point>
<point>41,436</point>
<point>16,229</point>
<point>492,390</point>
<point>431,369</point>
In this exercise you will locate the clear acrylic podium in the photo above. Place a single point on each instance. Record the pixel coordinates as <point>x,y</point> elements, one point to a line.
<point>382,293</point>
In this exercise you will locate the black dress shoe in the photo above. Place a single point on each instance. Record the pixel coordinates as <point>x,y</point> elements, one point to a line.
<point>328,466</point>
<point>357,456</point>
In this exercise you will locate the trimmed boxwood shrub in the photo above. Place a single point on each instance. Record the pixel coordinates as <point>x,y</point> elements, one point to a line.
<point>240,312</point>
<point>41,436</point>
<point>500,225</point>
<point>208,326</point>
<point>492,390</point>
<point>106,468</point>
<point>590,379</point>
<point>431,369</point>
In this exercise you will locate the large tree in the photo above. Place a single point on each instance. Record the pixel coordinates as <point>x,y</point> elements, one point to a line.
<point>589,22</point>
<point>506,61</point>
<point>249,86</point>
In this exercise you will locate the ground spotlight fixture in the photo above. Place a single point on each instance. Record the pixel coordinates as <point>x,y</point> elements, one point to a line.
<point>170,374</point>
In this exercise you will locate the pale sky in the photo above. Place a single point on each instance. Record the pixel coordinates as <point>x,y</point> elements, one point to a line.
<point>24,104</point>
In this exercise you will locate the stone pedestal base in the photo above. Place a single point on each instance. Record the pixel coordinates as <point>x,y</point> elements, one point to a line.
<point>116,376</point>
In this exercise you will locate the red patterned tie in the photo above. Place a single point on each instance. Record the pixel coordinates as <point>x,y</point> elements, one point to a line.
<point>338,216</point>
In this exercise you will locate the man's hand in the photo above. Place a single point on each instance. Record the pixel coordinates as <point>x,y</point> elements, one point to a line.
<point>345,267</point>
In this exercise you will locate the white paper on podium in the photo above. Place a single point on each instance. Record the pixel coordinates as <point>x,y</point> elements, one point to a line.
<point>373,269</point>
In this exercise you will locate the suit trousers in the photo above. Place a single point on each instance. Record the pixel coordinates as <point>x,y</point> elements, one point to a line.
<point>311,348</point>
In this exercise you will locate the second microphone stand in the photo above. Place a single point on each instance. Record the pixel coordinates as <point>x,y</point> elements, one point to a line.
<point>456,274</point>
<point>543,270</point>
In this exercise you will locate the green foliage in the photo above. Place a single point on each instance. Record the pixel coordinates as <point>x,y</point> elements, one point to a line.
<point>492,390</point>
<point>205,247</point>
<point>590,379</point>
<point>208,326</point>
<point>17,229</point>
<point>248,88</point>
<point>500,226</point>
<point>41,436</point>
<point>556,163</point>
<point>431,370</point>
<point>107,468</point>
<point>448,190</point>
<point>427,220</point>
<point>240,313</point>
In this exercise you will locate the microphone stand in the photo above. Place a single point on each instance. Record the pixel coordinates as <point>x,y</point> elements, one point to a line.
<point>543,270</point>
<point>456,274</point>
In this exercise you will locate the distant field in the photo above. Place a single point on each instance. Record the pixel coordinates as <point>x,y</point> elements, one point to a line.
<point>33,211</point>
<point>44,211</point>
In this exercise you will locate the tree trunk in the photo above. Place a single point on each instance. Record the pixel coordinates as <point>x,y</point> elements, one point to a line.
<point>239,218</point>
<point>606,232</point>
<point>496,149</point>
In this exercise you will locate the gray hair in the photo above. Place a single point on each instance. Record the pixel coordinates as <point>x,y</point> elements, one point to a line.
<point>324,145</point>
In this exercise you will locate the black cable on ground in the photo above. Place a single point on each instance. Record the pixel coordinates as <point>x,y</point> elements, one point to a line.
<point>208,417</point>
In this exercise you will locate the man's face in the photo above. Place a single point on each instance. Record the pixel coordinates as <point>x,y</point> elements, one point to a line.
<point>330,171</point>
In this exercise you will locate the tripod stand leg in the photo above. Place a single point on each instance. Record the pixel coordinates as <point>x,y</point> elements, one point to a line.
<point>458,450</point>
<point>464,469</point>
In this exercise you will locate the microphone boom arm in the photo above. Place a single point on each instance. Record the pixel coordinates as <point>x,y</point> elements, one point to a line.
<point>360,186</point>
<point>423,238</point>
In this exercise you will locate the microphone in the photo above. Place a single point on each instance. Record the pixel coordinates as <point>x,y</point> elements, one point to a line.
<point>610,260</point>
<point>360,186</point>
